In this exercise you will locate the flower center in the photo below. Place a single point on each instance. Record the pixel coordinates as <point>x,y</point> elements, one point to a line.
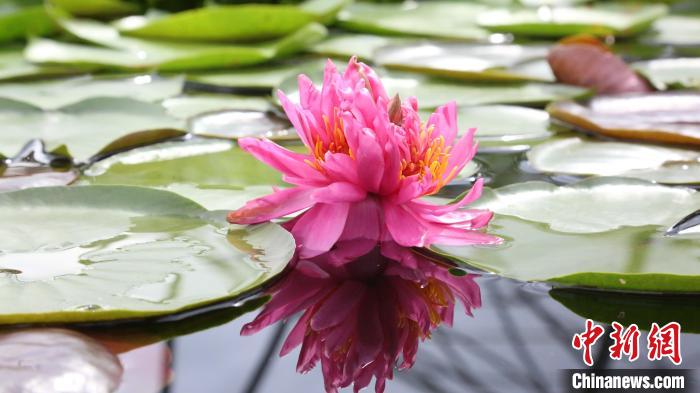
<point>331,140</point>
<point>426,155</point>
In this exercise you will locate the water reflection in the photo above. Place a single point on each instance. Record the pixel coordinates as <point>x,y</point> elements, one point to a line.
<point>365,309</point>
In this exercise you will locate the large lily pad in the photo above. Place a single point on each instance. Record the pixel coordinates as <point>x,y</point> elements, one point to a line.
<point>224,23</point>
<point>504,123</point>
<point>120,52</point>
<point>606,233</point>
<point>96,253</point>
<point>89,127</point>
<point>671,73</point>
<point>346,45</point>
<point>619,20</point>
<point>675,30</point>
<point>190,105</point>
<point>242,123</point>
<point>585,157</point>
<point>13,66</point>
<point>96,8</point>
<point>672,117</point>
<point>42,360</point>
<point>438,19</point>
<point>469,61</point>
<point>259,77</point>
<point>202,162</point>
<point>21,19</point>
<point>54,94</point>
<point>432,92</point>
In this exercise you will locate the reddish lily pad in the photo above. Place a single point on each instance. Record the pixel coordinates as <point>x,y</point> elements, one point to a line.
<point>588,63</point>
<point>670,117</point>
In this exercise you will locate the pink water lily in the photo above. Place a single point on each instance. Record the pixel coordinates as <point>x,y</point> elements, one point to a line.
<point>369,160</point>
<point>364,307</point>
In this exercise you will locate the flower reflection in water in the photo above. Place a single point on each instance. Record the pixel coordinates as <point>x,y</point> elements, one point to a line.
<point>365,309</point>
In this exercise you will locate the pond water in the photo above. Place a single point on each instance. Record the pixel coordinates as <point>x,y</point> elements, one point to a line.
<point>518,340</point>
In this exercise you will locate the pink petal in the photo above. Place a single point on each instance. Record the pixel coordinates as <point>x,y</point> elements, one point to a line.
<point>317,229</point>
<point>278,204</point>
<point>339,192</point>
<point>291,164</point>
<point>295,116</point>
<point>404,228</point>
<point>364,221</point>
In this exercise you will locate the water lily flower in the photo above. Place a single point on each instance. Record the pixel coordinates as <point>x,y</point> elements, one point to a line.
<point>362,311</point>
<point>370,158</point>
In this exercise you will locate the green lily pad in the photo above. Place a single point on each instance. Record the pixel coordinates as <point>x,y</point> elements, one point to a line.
<point>618,20</point>
<point>585,157</point>
<point>13,66</point>
<point>19,178</point>
<point>190,105</point>
<point>89,127</point>
<point>23,18</point>
<point>669,117</point>
<point>432,92</point>
<point>437,19</point>
<point>242,123</point>
<point>675,30</point>
<point>226,23</point>
<point>606,233</point>
<point>472,62</point>
<point>97,253</point>
<point>132,53</point>
<point>260,77</point>
<point>96,8</point>
<point>54,94</point>
<point>346,45</point>
<point>503,123</point>
<point>667,74</point>
<point>202,162</point>
<point>626,309</point>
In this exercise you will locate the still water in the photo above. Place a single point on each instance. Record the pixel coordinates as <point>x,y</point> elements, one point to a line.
<point>518,341</point>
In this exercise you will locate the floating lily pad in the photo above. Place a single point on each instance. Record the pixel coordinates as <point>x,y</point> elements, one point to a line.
<point>13,66</point>
<point>202,162</point>
<point>468,61</point>
<point>432,92</point>
<point>40,360</point>
<point>606,233</point>
<point>24,18</point>
<point>96,8</point>
<point>577,156</point>
<point>675,30</point>
<point>242,123</point>
<point>89,127</point>
<point>116,51</point>
<point>619,20</point>
<point>259,77</point>
<point>19,178</point>
<point>626,309</point>
<point>54,94</point>
<point>226,23</point>
<point>671,73</point>
<point>438,19</point>
<point>504,123</point>
<point>186,106</point>
<point>672,117</point>
<point>95,253</point>
<point>346,45</point>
